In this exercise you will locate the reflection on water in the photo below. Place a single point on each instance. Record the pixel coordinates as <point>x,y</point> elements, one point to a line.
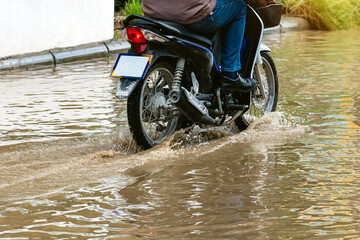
<point>73,100</point>
<point>290,176</point>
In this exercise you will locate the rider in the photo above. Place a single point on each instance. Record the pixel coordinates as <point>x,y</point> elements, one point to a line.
<point>207,16</point>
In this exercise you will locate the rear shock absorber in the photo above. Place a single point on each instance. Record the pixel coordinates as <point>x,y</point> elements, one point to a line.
<point>175,90</point>
<point>185,101</point>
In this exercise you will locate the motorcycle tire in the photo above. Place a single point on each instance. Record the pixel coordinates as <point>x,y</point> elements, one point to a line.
<point>261,105</point>
<point>149,121</point>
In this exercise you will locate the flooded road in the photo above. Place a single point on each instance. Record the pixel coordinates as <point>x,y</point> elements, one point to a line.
<point>72,100</point>
<point>294,174</point>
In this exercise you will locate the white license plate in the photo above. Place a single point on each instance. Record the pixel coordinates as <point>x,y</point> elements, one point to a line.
<point>131,66</point>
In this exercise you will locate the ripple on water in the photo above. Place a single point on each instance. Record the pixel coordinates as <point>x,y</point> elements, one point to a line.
<point>75,100</point>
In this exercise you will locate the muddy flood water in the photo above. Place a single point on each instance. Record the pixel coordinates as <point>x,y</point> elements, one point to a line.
<point>69,169</point>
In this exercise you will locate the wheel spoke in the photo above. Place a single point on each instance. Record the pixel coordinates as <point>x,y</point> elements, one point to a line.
<point>157,123</point>
<point>262,104</point>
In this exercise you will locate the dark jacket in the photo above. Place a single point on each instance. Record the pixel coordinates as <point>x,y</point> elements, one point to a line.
<point>180,11</point>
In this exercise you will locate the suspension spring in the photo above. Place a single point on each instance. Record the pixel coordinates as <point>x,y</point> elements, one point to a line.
<point>179,70</point>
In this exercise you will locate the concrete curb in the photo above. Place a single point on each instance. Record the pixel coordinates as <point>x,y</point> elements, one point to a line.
<point>62,55</point>
<point>104,49</point>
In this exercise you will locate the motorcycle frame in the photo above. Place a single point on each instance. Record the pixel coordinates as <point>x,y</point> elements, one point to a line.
<point>200,58</point>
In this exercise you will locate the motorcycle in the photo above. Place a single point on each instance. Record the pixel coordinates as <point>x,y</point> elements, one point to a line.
<point>171,78</point>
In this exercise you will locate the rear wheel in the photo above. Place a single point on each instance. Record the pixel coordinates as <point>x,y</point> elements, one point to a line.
<point>264,99</point>
<point>150,119</point>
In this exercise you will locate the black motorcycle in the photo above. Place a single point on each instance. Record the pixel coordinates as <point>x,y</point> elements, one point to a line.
<point>171,78</point>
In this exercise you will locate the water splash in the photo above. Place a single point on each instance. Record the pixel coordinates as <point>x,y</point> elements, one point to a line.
<point>74,162</point>
<point>277,125</point>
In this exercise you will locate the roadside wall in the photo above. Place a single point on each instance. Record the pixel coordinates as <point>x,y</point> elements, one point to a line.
<point>35,25</point>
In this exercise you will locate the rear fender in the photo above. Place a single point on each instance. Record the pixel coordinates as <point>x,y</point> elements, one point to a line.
<point>126,87</point>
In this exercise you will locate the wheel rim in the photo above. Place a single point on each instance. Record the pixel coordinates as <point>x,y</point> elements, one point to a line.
<point>157,120</point>
<point>260,105</point>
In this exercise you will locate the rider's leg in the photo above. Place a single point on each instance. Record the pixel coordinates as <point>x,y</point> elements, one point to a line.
<point>231,16</point>
<point>232,37</point>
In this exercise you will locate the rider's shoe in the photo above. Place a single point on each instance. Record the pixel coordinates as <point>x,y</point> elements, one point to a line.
<point>235,82</point>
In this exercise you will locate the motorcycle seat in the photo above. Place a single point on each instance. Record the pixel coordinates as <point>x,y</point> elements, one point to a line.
<point>170,28</point>
<point>188,33</point>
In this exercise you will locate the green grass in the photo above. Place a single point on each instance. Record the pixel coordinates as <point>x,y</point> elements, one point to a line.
<point>132,7</point>
<point>118,5</point>
<point>326,14</point>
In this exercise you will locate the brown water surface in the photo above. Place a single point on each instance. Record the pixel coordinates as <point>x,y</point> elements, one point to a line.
<point>294,174</point>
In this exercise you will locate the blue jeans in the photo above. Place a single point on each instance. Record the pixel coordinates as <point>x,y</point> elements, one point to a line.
<point>230,15</point>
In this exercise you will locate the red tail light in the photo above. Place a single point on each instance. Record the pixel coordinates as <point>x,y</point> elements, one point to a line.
<point>135,35</point>
<point>137,38</point>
